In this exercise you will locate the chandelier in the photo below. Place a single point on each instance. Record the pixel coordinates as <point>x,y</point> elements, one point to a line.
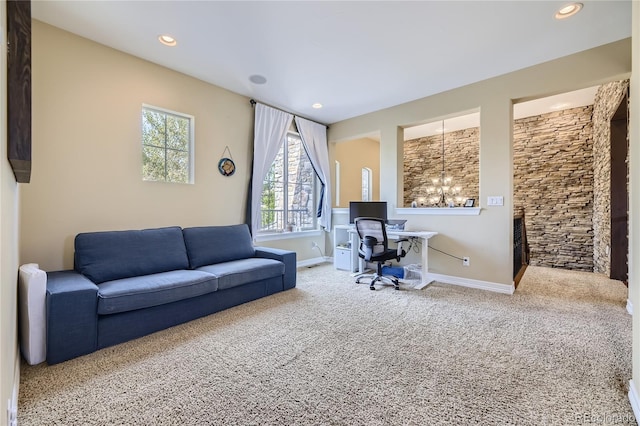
<point>443,192</point>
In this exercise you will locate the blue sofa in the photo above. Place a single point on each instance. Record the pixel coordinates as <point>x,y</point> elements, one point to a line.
<point>126,284</point>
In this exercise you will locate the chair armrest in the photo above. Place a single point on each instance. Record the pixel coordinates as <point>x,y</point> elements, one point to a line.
<point>369,241</point>
<point>285,256</point>
<point>366,248</point>
<point>72,316</point>
<point>401,252</point>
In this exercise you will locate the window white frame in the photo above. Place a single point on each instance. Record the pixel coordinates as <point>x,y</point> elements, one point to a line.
<point>337,179</point>
<point>367,184</point>
<point>191,144</point>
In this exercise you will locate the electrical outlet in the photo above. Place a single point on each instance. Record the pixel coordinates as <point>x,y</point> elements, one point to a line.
<point>465,261</point>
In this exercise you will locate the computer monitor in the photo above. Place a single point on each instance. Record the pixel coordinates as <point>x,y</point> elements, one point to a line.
<point>367,209</point>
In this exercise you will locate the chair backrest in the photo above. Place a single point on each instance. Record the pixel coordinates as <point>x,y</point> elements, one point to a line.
<point>371,227</point>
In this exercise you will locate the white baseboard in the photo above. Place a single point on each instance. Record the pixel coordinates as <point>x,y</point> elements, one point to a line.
<point>629,307</point>
<point>312,262</point>
<point>633,399</point>
<point>468,282</point>
<point>12,404</point>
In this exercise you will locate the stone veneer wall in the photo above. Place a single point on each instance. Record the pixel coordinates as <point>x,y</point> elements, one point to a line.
<point>423,162</point>
<point>553,182</point>
<point>605,105</point>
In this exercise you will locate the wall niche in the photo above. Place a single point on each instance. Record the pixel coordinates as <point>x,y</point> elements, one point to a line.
<point>452,145</point>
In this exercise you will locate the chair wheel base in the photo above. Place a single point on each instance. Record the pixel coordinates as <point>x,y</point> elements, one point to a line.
<point>376,278</point>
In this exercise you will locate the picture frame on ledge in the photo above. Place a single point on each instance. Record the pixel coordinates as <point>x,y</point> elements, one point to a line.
<point>469,202</point>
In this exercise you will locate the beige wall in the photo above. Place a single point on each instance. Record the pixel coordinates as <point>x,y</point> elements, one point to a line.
<point>86,148</point>
<point>634,193</point>
<point>486,238</point>
<point>353,155</point>
<point>9,356</point>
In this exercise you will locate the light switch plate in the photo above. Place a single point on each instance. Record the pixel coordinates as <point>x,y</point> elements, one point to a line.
<point>495,201</point>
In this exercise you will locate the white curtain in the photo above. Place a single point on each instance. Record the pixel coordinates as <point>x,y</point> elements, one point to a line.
<point>314,138</point>
<point>271,126</point>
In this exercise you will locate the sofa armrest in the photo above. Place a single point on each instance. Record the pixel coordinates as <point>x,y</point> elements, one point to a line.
<point>72,318</point>
<point>285,256</point>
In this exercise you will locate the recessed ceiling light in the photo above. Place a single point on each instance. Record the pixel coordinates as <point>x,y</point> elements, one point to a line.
<point>167,40</point>
<point>316,105</point>
<point>258,79</point>
<point>568,10</point>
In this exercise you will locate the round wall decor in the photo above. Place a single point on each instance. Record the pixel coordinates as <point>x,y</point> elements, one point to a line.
<point>226,166</point>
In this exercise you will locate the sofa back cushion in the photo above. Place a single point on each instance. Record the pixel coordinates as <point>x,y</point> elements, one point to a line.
<point>207,245</point>
<point>113,255</point>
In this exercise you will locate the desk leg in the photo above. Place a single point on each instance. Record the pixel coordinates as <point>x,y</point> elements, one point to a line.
<point>426,279</point>
<point>360,269</point>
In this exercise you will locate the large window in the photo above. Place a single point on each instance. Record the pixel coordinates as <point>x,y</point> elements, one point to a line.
<point>289,190</point>
<point>167,146</point>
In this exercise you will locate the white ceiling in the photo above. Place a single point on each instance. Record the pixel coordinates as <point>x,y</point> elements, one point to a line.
<point>354,57</point>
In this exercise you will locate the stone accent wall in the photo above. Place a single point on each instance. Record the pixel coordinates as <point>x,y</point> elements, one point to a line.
<point>423,162</point>
<point>553,182</point>
<point>605,105</point>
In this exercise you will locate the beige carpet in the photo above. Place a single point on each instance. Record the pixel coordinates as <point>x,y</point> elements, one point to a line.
<point>331,352</point>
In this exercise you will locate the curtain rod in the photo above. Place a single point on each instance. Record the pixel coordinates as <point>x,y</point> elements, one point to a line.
<point>253,102</point>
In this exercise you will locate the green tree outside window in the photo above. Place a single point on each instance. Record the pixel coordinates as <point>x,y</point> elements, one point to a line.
<point>166,146</point>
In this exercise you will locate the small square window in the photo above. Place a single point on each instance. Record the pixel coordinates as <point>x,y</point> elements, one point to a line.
<point>167,146</point>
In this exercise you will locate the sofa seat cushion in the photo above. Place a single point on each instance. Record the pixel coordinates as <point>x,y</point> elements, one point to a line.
<point>133,293</point>
<point>239,272</point>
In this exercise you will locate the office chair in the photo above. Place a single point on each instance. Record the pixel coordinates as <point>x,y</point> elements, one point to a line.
<point>374,247</point>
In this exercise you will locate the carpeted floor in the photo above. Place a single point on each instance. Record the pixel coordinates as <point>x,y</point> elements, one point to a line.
<point>331,352</point>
